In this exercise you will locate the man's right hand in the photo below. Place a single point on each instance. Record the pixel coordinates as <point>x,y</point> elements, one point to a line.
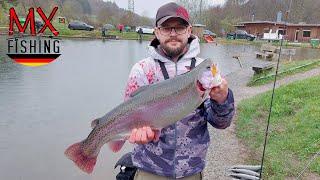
<point>144,135</point>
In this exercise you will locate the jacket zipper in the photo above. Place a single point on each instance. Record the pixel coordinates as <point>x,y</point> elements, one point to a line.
<point>176,67</point>
<point>175,136</point>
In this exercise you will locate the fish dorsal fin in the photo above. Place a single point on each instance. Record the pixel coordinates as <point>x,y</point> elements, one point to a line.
<point>139,90</point>
<point>94,123</point>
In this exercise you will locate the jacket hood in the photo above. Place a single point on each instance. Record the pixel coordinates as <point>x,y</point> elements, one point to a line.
<point>193,50</point>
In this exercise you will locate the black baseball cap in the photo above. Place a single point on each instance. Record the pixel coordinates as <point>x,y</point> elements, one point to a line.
<point>171,10</point>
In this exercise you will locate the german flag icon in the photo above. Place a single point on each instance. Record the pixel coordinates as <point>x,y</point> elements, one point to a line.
<point>33,59</point>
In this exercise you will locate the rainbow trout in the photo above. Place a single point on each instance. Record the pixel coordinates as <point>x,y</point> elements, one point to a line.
<point>156,105</point>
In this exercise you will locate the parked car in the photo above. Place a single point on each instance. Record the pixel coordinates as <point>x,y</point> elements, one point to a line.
<point>108,27</point>
<point>241,34</point>
<point>79,25</point>
<point>145,29</point>
<point>277,35</point>
<point>210,33</point>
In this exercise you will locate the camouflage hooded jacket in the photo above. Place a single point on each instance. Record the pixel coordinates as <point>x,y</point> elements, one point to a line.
<point>182,147</point>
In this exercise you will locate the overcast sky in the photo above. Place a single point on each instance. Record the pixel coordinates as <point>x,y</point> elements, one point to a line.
<point>149,7</point>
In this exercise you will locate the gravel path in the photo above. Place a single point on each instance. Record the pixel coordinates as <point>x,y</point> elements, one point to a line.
<point>225,149</point>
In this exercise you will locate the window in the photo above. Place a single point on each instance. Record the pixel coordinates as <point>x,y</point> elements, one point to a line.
<point>306,33</point>
<point>282,32</point>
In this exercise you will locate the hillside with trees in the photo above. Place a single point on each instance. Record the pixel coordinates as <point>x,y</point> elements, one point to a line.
<point>95,12</point>
<point>222,18</point>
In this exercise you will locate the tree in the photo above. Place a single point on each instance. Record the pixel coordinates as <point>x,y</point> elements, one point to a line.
<point>195,8</point>
<point>72,9</point>
<point>103,15</point>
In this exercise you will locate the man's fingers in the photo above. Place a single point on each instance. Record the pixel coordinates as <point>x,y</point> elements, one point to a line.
<point>132,138</point>
<point>144,135</point>
<point>215,89</point>
<point>138,136</point>
<point>222,87</point>
<point>156,135</point>
<point>224,84</point>
<point>150,133</point>
<point>220,92</point>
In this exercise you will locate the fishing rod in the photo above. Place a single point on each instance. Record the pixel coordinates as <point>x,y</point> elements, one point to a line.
<point>273,89</point>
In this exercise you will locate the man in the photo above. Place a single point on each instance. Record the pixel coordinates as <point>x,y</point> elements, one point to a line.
<point>104,31</point>
<point>179,150</point>
<point>140,32</point>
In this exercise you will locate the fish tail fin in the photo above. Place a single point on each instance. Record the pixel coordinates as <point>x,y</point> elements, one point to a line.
<point>83,161</point>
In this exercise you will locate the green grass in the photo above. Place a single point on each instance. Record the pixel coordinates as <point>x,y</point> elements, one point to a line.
<point>131,35</point>
<point>294,135</point>
<point>260,42</point>
<point>64,31</point>
<point>285,69</point>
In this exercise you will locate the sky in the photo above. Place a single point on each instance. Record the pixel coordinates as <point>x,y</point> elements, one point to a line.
<point>149,7</point>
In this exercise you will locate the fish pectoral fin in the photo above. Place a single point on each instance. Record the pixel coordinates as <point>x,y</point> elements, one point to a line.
<point>139,90</point>
<point>115,146</point>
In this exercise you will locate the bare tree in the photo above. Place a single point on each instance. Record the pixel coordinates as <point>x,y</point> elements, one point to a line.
<point>72,9</point>
<point>195,9</point>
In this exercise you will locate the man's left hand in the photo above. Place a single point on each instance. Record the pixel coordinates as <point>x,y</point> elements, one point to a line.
<point>220,93</point>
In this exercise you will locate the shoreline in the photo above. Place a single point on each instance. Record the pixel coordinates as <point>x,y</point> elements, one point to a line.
<point>147,37</point>
<point>111,37</point>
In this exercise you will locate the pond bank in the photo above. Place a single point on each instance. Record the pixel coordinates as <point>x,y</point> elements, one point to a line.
<point>226,149</point>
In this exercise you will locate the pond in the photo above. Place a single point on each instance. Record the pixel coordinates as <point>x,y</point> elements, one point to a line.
<point>45,109</point>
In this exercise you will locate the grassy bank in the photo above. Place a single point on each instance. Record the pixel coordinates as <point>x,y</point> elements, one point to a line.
<point>294,130</point>
<point>65,32</point>
<point>285,69</point>
<point>260,42</point>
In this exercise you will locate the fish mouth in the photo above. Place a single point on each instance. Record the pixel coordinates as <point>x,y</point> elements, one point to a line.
<point>200,88</point>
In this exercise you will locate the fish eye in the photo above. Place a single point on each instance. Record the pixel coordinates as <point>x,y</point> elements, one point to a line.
<point>208,67</point>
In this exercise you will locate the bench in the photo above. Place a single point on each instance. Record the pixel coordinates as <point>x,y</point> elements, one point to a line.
<point>265,55</point>
<point>266,52</point>
<point>262,68</point>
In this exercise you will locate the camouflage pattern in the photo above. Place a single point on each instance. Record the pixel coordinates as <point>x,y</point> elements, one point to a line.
<point>182,147</point>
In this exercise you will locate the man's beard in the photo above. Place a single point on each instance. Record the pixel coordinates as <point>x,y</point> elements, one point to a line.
<point>173,52</point>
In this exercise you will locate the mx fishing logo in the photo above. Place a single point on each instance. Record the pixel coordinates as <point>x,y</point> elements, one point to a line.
<point>33,48</point>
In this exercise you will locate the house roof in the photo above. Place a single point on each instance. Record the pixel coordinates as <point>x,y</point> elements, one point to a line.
<point>241,24</point>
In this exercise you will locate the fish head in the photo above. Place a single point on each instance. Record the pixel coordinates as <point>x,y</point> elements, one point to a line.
<point>208,76</point>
